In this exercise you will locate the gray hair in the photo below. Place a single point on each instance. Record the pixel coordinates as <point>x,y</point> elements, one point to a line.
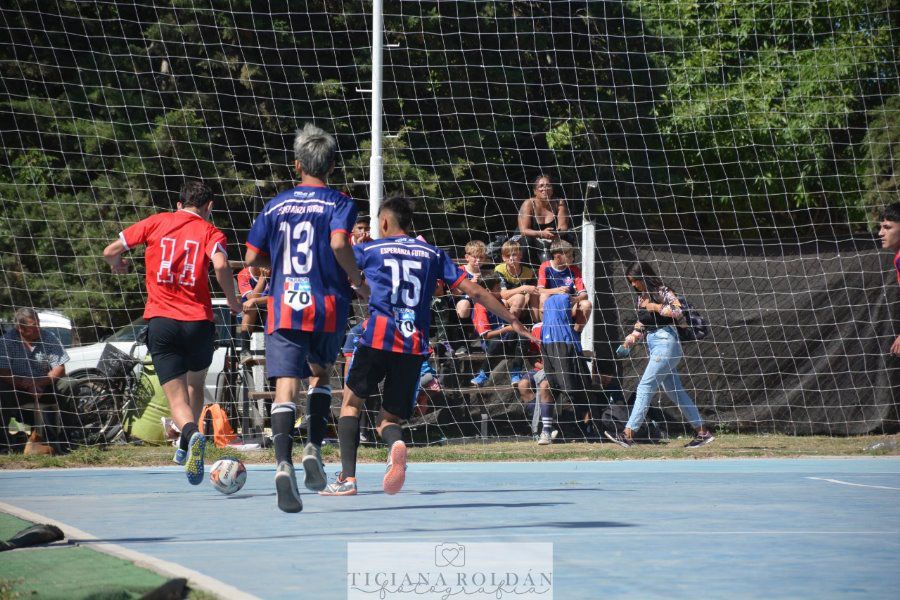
<point>315,150</point>
<point>26,314</point>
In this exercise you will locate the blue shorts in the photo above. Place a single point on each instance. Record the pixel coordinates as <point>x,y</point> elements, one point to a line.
<point>289,351</point>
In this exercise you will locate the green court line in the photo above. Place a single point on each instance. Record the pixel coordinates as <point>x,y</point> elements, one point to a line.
<point>73,572</point>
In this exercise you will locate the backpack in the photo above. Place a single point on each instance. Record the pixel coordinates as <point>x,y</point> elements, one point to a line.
<point>692,327</point>
<point>222,433</point>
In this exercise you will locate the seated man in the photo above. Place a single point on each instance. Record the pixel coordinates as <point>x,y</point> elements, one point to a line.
<point>31,362</point>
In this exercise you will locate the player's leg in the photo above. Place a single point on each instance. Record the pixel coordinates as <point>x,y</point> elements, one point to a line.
<point>401,386</point>
<point>366,372</point>
<point>581,312</point>
<point>323,350</point>
<point>172,351</point>
<point>517,304</point>
<point>286,352</point>
<point>546,404</point>
<point>464,309</point>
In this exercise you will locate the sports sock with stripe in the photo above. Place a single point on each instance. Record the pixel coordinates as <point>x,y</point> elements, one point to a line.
<point>283,416</point>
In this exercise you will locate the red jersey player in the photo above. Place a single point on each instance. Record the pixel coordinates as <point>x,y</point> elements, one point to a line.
<point>181,330</point>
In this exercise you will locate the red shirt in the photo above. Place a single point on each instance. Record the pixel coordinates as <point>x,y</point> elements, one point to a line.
<point>246,282</point>
<point>179,248</point>
<point>897,264</point>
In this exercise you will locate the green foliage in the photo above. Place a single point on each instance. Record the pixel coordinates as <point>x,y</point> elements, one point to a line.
<point>733,111</point>
<point>882,151</point>
<point>765,104</point>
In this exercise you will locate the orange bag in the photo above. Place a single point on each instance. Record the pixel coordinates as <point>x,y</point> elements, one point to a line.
<point>222,432</point>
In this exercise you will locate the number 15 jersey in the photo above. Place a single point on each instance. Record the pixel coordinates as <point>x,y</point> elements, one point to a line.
<point>309,289</point>
<point>402,274</point>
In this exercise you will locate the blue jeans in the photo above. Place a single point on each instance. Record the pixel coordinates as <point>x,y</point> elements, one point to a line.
<point>665,354</point>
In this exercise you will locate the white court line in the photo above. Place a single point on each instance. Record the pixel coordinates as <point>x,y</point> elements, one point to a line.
<point>418,536</point>
<point>865,485</point>
<point>163,567</point>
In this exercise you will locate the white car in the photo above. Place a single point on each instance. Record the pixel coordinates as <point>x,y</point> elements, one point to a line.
<point>54,322</point>
<point>83,360</point>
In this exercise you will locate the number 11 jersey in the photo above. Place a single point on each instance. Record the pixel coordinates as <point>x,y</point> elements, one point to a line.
<point>309,289</point>
<point>402,274</point>
<point>180,245</point>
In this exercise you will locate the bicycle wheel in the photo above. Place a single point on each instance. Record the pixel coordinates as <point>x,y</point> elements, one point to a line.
<point>97,409</point>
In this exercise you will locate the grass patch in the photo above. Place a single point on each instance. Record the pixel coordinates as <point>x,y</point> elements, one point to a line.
<point>725,446</point>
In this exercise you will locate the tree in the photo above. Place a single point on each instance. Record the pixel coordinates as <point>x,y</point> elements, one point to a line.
<point>765,106</point>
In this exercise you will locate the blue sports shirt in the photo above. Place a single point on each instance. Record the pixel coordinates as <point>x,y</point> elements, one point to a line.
<point>309,290</point>
<point>402,273</point>
<point>557,327</point>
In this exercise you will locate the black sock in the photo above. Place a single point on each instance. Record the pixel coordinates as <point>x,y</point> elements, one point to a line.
<point>319,400</point>
<point>283,417</point>
<point>348,436</point>
<point>391,433</point>
<point>244,338</point>
<point>189,429</point>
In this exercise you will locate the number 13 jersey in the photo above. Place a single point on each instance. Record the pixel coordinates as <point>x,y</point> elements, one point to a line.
<point>402,273</point>
<point>309,289</point>
<point>179,248</point>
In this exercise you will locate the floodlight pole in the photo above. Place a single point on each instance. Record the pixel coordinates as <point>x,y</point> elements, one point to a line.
<point>376,162</point>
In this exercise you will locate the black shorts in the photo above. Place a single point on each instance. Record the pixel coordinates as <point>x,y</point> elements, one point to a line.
<point>177,347</point>
<point>565,368</point>
<point>400,373</point>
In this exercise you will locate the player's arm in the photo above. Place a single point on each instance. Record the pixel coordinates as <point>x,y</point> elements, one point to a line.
<point>112,254</point>
<point>255,258</point>
<point>343,252</point>
<point>486,299</point>
<point>895,347</point>
<point>225,277</point>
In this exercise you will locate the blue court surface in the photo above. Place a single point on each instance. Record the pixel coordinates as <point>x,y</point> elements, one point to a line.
<point>804,528</point>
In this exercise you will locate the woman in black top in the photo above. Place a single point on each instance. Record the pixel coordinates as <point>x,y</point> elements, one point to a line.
<point>658,311</point>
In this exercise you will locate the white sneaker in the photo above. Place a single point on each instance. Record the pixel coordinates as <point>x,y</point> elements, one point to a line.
<point>545,439</point>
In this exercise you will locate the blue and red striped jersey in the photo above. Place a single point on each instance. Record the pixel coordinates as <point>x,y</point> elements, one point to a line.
<point>569,277</point>
<point>557,324</point>
<point>308,289</point>
<point>402,273</point>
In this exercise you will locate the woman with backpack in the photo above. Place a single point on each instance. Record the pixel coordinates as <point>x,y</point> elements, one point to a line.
<point>658,312</point>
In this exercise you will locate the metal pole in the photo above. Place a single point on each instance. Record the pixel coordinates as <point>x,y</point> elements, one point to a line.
<point>376,164</point>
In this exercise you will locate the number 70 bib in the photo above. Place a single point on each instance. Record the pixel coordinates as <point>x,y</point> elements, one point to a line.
<point>297,293</point>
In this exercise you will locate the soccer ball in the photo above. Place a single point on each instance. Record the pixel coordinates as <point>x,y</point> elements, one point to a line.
<point>228,475</point>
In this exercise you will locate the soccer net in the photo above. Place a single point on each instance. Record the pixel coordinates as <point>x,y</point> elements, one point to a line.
<point>739,148</point>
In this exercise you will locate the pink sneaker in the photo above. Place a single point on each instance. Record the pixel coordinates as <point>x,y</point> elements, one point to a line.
<point>396,468</point>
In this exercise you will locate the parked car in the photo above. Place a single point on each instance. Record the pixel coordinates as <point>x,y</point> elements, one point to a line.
<point>83,360</point>
<point>54,322</point>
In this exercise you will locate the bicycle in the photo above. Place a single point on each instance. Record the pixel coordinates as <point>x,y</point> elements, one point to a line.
<point>108,402</point>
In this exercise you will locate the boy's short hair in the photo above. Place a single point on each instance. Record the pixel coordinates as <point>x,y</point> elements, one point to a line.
<point>363,219</point>
<point>561,246</point>
<point>490,281</point>
<point>508,247</point>
<point>891,212</point>
<point>195,194</point>
<point>476,248</point>
<point>402,209</point>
